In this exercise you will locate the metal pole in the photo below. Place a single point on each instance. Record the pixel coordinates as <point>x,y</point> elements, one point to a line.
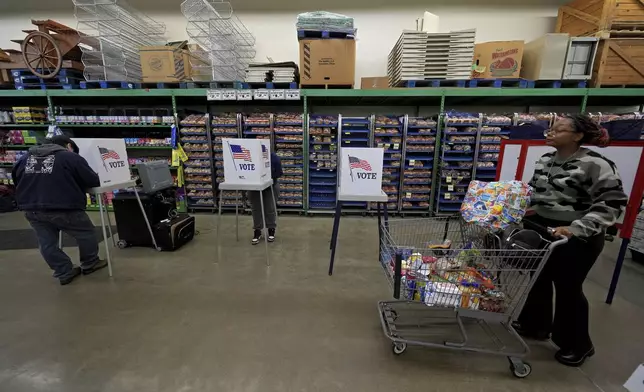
<point>236,214</point>
<point>617,270</point>
<point>264,229</point>
<point>107,248</point>
<point>221,198</point>
<point>109,226</point>
<point>334,234</point>
<point>145,218</point>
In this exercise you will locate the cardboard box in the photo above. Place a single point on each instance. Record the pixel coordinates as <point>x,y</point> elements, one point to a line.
<point>497,60</point>
<point>164,63</point>
<point>327,61</point>
<point>374,82</point>
<point>545,57</point>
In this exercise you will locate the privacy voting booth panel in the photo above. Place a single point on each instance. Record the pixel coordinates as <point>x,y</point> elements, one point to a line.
<point>518,158</point>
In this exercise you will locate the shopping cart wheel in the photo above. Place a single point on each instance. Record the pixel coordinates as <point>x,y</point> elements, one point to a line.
<point>122,244</point>
<point>399,348</point>
<point>521,371</point>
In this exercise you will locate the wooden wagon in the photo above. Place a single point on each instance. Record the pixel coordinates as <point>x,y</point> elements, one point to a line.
<point>44,51</point>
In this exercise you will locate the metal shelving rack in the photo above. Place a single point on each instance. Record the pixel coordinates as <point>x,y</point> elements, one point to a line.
<point>356,132</point>
<point>288,134</point>
<point>322,162</point>
<point>198,170</point>
<point>388,133</point>
<point>419,150</point>
<point>493,129</point>
<point>113,33</point>
<point>225,125</point>
<point>460,135</point>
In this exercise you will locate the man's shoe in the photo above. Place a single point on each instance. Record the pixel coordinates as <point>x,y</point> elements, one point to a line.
<point>257,235</point>
<point>574,359</point>
<point>100,264</point>
<point>529,333</point>
<point>271,235</point>
<point>72,275</point>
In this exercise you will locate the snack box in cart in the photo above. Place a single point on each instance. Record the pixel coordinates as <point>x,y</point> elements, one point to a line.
<point>497,60</point>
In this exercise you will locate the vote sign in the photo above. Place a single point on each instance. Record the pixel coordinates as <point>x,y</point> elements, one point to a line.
<point>247,161</point>
<point>361,171</point>
<point>108,158</point>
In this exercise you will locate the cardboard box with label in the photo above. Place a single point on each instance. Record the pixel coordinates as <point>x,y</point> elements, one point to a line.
<point>497,60</point>
<point>164,63</point>
<point>327,61</point>
<point>375,82</point>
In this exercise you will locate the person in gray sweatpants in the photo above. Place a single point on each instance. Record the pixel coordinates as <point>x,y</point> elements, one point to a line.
<point>270,214</point>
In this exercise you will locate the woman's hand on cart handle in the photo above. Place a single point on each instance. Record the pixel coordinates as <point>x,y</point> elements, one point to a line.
<point>561,231</point>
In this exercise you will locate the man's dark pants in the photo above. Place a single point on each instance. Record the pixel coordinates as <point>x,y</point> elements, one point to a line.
<point>76,223</point>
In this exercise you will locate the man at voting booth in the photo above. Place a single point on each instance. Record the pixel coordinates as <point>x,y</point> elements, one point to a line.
<point>51,181</point>
<point>269,214</point>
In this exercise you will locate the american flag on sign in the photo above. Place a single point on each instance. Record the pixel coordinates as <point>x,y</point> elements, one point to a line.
<point>239,152</point>
<point>264,152</point>
<point>357,163</point>
<point>107,153</point>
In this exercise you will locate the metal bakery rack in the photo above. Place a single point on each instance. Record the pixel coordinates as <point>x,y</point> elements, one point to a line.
<point>419,156</point>
<point>458,156</point>
<point>227,46</point>
<point>489,146</point>
<point>323,162</point>
<point>388,134</point>
<point>356,132</point>
<point>114,32</point>
<point>199,167</point>
<point>224,125</point>
<point>288,135</point>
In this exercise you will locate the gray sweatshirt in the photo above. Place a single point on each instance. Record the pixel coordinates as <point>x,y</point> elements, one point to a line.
<point>585,190</point>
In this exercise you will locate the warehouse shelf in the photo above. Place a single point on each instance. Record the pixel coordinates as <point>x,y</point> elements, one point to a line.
<point>22,125</point>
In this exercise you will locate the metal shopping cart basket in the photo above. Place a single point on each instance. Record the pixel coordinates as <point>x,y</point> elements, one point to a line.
<point>458,285</point>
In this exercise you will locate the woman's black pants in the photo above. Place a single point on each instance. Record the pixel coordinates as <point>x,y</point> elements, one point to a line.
<point>566,269</point>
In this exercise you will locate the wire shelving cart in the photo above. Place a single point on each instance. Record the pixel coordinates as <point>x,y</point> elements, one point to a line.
<point>459,286</point>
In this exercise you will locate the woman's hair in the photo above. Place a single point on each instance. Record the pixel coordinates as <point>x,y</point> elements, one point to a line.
<point>593,133</point>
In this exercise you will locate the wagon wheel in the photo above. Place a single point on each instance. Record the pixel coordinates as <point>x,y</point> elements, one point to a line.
<point>42,54</point>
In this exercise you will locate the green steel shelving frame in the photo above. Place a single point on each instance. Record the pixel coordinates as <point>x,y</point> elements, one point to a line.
<point>441,98</point>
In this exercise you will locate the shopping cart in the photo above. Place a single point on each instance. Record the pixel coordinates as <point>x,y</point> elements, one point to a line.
<point>458,285</point>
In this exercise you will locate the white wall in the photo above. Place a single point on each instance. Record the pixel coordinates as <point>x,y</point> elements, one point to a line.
<point>379,22</point>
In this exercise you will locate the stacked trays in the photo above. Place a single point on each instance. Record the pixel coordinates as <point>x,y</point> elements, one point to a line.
<point>457,159</point>
<point>323,161</point>
<point>355,133</point>
<point>388,135</point>
<point>420,145</point>
<point>419,55</point>
<point>494,128</point>
<point>289,146</point>
<point>224,126</point>
<point>198,168</point>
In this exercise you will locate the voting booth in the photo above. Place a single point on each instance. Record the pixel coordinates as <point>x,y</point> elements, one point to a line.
<point>247,167</point>
<point>360,173</point>
<point>108,158</point>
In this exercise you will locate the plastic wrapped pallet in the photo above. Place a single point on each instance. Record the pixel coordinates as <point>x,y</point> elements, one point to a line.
<point>325,21</point>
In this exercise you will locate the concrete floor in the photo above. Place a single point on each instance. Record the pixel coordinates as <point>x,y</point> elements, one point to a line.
<point>179,322</point>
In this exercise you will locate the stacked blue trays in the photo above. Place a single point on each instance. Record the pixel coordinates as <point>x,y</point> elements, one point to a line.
<point>193,137</point>
<point>457,160</point>
<point>494,128</point>
<point>388,135</point>
<point>355,133</point>
<point>323,160</point>
<point>420,145</point>
<point>224,126</point>
<point>289,146</point>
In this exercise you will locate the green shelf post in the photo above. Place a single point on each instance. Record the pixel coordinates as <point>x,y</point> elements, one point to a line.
<point>584,102</point>
<point>305,153</point>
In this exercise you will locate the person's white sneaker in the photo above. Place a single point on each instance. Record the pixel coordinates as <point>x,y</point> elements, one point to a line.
<point>271,235</point>
<point>257,235</point>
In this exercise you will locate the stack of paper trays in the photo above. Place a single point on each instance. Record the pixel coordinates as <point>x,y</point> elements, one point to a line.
<point>270,74</point>
<point>424,56</point>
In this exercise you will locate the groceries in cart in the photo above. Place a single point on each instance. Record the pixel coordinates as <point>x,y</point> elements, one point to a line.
<point>496,205</point>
